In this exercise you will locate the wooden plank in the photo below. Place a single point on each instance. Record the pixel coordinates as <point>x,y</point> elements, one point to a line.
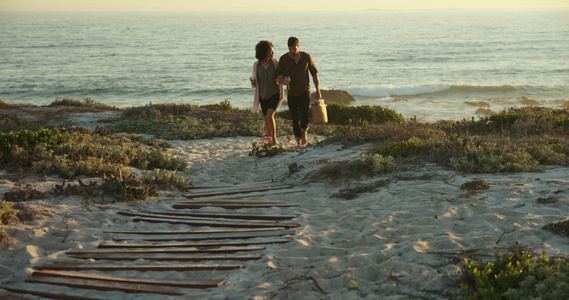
<point>169,257</point>
<point>214,223</point>
<point>109,285</point>
<point>12,297</point>
<point>153,215</point>
<point>226,200</point>
<point>82,266</point>
<point>202,237</point>
<point>230,205</point>
<point>169,250</point>
<point>202,231</point>
<point>40,291</point>
<point>222,215</point>
<point>171,282</point>
<point>244,242</point>
<point>253,194</point>
<point>233,187</point>
<point>239,191</point>
<point>239,187</point>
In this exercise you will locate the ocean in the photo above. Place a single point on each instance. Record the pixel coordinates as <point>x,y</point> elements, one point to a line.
<point>429,64</point>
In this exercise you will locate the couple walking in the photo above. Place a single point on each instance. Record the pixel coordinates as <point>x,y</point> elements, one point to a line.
<point>269,78</point>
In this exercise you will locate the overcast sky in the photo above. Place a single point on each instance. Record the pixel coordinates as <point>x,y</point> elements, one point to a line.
<point>260,5</point>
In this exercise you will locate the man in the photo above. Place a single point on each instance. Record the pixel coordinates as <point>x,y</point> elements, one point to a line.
<point>296,65</point>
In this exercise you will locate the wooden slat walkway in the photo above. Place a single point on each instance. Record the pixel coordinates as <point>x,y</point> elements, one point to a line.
<point>85,266</point>
<point>186,283</point>
<point>236,190</point>
<point>186,250</point>
<point>168,256</point>
<point>213,223</point>
<point>202,231</point>
<point>239,242</point>
<point>214,240</point>
<point>200,237</point>
<point>198,205</point>
<point>257,216</point>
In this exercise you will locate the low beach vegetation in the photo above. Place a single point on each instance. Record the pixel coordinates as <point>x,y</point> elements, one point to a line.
<point>87,104</point>
<point>343,114</point>
<point>520,275</point>
<point>192,122</point>
<point>78,152</point>
<point>516,140</point>
<point>17,117</point>
<point>7,215</point>
<point>163,178</point>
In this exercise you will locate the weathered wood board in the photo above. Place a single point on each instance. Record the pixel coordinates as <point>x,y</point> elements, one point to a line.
<point>202,237</point>
<point>214,223</point>
<point>87,266</point>
<point>244,242</point>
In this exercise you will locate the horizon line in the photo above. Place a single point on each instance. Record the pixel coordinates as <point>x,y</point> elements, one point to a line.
<point>284,12</point>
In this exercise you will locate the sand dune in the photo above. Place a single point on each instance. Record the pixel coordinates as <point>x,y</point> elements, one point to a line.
<point>406,240</point>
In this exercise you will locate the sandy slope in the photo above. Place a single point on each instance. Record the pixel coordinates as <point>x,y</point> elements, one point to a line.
<point>406,240</point>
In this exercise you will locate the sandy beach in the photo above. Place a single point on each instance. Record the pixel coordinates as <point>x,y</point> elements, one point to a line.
<point>406,240</point>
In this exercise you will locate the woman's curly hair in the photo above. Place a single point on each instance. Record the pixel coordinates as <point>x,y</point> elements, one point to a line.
<point>262,48</point>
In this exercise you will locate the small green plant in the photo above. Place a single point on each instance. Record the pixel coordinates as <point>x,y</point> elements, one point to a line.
<point>353,285</point>
<point>522,275</point>
<point>373,163</point>
<point>266,149</point>
<point>164,178</point>
<point>128,188</point>
<point>7,212</point>
<point>87,104</point>
<point>29,140</point>
<point>405,148</point>
<point>340,113</point>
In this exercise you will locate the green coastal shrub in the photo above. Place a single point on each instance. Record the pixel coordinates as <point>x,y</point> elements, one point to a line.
<point>161,177</point>
<point>373,163</point>
<point>128,188</point>
<point>264,148</point>
<point>488,156</point>
<point>7,212</point>
<point>151,111</point>
<point>405,148</point>
<point>522,121</point>
<point>87,104</point>
<point>29,140</point>
<point>340,113</point>
<point>77,153</point>
<point>519,276</point>
<point>343,114</point>
<point>208,124</point>
<point>68,168</point>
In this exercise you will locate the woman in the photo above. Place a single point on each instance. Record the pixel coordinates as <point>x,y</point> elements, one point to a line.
<point>268,92</point>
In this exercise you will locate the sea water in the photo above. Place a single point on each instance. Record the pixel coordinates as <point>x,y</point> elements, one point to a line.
<point>429,64</point>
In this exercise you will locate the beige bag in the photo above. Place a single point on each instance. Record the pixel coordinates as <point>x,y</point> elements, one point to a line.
<point>318,112</point>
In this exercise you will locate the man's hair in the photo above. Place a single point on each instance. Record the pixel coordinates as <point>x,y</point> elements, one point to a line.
<point>292,41</point>
<point>262,48</point>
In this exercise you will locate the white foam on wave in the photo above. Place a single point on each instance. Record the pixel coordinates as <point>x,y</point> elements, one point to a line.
<point>391,90</point>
